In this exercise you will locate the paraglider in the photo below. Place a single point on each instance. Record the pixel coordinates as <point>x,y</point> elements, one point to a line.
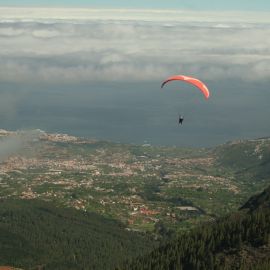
<point>199,84</point>
<point>181,119</point>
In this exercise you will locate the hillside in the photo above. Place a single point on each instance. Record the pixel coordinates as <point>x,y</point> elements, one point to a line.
<point>238,241</point>
<point>258,201</point>
<point>145,187</point>
<point>247,158</point>
<point>38,235</point>
<point>69,202</point>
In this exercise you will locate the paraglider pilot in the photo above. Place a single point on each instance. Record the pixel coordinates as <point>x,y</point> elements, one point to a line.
<point>181,119</point>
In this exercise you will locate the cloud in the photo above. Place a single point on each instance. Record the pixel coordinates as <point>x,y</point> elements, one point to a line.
<point>14,143</point>
<point>9,146</point>
<point>80,45</point>
<point>87,14</point>
<point>10,32</point>
<point>46,34</point>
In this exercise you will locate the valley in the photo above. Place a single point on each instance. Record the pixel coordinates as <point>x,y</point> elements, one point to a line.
<point>145,187</point>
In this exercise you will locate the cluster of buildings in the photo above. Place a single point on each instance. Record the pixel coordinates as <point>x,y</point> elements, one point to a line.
<point>55,172</point>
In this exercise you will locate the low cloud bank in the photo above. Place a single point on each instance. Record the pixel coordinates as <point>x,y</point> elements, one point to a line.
<point>14,142</point>
<point>75,46</point>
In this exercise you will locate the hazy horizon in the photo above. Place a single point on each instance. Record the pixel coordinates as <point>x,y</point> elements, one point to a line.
<point>259,5</point>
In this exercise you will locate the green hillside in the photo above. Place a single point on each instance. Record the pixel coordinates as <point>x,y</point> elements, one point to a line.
<point>238,241</point>
<point>258,201</point>
<point>143,186</point>
<point>246,157</point>
<point>51,188</point>
<point>35,233</point>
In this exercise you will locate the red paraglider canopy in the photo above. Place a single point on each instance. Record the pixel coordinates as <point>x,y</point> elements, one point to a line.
<point>190,80</point>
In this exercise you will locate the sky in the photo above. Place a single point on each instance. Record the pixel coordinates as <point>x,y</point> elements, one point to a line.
<point>96,72</point>
<point>251,5</point>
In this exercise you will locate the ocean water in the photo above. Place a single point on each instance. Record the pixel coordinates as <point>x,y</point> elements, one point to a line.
<point>140,112</point>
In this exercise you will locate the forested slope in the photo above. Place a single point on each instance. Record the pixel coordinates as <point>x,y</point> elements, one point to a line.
<point>35,233</point>
<point>238,241</point>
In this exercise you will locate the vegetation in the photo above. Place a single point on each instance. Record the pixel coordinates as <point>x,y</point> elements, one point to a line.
<point>140,185</point>
<point>37,234</point>
<point>239,241</point>
<point>73,203</point>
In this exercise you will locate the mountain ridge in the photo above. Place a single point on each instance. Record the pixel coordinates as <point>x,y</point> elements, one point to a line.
<point>238,241</point>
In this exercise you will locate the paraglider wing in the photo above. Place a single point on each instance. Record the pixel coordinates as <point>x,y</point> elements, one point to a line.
<point>199,84</point>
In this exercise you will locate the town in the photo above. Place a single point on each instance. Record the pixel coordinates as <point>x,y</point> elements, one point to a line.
<point>140,185</point>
